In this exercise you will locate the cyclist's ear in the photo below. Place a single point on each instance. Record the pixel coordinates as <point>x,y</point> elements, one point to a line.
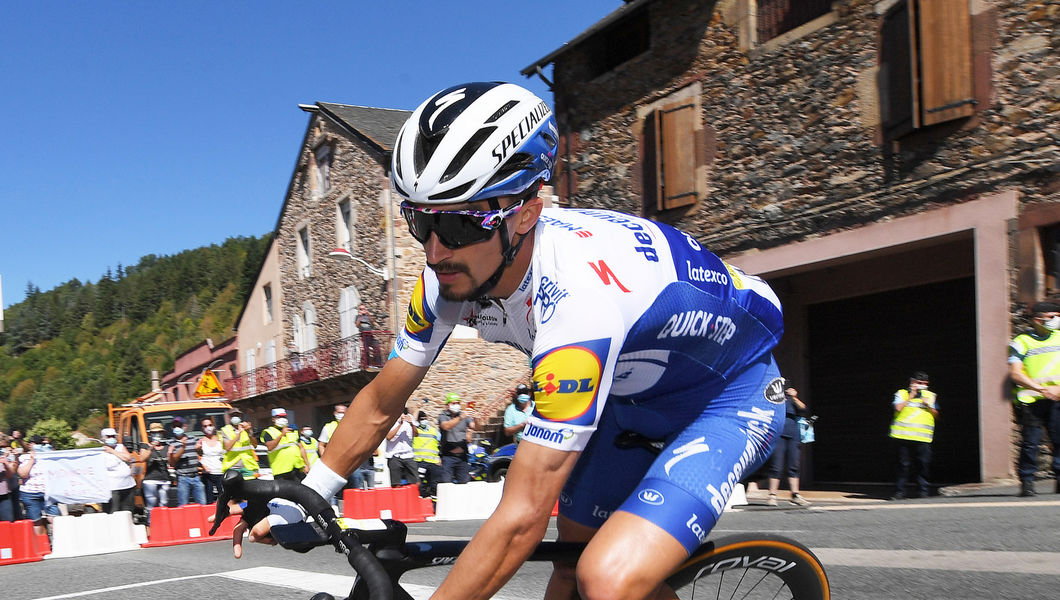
<point>526,218</point>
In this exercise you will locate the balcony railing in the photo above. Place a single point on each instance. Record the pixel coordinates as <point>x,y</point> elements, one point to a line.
<point>363,351</point>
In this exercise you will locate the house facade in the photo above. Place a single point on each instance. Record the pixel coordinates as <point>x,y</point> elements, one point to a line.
<point>890,167</point>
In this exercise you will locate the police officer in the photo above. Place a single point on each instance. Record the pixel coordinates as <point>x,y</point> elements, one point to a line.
<point>286,457</point>
<point>913,428</point>
<point>310,444</point>
<point>1034,366</point>
<point>239,442</point>
<point>425,446</point>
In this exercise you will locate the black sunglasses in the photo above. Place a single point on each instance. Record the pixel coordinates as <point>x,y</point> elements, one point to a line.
<point>455,228</point>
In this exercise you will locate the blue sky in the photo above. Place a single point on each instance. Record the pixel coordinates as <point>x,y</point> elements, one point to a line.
<point>134,128</point>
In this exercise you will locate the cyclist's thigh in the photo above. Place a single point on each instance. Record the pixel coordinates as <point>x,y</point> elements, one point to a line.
<point>686,488</point>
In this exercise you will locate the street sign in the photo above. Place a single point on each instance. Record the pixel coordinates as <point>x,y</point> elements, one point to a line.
<point>209,386</point>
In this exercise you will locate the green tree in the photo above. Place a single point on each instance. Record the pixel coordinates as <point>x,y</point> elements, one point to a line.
<point>57,430</point>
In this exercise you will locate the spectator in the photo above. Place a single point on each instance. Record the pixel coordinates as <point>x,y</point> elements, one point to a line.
<point>1034,366</point>
<point>373,356</point>
<point>517,412</point>
<point>184,458</point>
<point>15,448</point>
<point>330,426</point>
<point>913,428</point>
<point>363,477</point>
<point>119,473</point>
<point>400,458</point>
<point>17,443</point>
<point>212,451</point>
<point>426,446</point>
<point>156,482</point>
<point>8,470</point>
<point>46,444</point>
<point>31,471</point>
<point>286,457</point>
<point>454,427</point>
<point>788,450</point>
<point>311,446</point>
<point>239,442</point>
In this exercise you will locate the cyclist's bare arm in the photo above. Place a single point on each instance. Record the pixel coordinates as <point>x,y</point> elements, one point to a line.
<point>531,487</point>
<point>367,421</point>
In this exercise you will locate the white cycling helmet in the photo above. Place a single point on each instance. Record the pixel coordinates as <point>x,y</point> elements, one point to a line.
<point>472,142</point>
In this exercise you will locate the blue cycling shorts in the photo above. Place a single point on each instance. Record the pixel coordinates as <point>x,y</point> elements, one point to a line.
<point>709,450</point>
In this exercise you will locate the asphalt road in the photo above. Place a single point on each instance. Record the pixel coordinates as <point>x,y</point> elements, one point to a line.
<point>983,546</point>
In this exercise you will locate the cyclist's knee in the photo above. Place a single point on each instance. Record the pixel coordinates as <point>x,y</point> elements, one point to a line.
<point>599,582</point>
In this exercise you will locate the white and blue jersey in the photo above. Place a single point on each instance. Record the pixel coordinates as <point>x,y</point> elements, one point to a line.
<point>631,325</point>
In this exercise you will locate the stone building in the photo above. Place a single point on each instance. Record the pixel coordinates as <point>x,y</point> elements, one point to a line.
<point>340,243</point>
<point>890,167</point>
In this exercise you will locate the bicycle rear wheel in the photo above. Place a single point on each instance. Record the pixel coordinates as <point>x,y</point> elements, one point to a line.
<point>751,566</point>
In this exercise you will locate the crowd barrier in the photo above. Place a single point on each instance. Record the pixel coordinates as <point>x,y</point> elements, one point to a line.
<point>738,497</point>
<point>400,503</point>
<point>95,533</point>
<point>19,544</point>
<point>472,500</point>
<point>185,525</point>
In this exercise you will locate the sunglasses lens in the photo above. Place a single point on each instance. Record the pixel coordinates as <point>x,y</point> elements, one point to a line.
<point>453,230</point>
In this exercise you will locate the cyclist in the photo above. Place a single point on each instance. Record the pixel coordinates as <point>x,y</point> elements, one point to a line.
<point>630,325</point>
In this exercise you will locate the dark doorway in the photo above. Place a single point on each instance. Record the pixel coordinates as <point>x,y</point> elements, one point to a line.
<point>861,350</point>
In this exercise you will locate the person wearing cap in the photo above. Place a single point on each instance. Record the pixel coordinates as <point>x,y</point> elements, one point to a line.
<point>119,473</point>
<point>913,428</point>
<point>454,425</point>
<point>156,482</point>
<point>239,441</point>
<point>516,413</point>
<point>183,456</point>
<point>286,455</point>
<point>1034,367</point>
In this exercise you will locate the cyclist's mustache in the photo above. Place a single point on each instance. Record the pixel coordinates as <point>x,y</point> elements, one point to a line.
<point>446,266</point>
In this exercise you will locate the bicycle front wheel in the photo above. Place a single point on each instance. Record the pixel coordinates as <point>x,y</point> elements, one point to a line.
<point>751,567</point>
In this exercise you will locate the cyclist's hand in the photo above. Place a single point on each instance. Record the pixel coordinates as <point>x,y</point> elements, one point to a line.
<point>234,508</point>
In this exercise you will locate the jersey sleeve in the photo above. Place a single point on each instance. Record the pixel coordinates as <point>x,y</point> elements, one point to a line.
<point>426,330</point>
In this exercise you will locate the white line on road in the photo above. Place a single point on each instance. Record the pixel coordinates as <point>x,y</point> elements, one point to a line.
<point>891,506</point>
<point>1039,563</point>
<point>125,587</point>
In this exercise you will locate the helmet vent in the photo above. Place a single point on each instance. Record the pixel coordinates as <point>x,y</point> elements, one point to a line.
<point>423,149</point>
<point>466,153</point>
<point>518,162</point>
<point>453,193</point>
<point>500,111</point>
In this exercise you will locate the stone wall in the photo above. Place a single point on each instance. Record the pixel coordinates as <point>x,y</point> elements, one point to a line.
<point>797,147</point>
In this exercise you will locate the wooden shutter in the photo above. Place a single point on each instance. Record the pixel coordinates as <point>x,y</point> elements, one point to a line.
<point>898,102</point>
<point>945,48</point>
<point>774,17</point>
<point>676,147</point>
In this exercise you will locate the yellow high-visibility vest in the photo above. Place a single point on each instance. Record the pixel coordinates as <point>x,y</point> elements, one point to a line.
<point>241,451</point>
<point>286,456</point>
<point>914,422</point>
<point>311,450</point>
<point>425,445</point>
<point>1041,361</point>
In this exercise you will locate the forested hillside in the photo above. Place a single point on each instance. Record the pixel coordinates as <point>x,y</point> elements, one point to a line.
<point>69,351</point>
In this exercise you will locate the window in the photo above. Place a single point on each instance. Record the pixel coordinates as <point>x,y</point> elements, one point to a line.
<point>671,156</point>
<point>1050,240</point>
<point>302,252</point>
<point>925,65</point>
<point>627,39</point>
<point>270,352</point>
<point>349,300</point>
<point>775,17</point>
<point>309,328</point>
<point>322,158</point>
<point>344,225</point>
<point>267,294</point>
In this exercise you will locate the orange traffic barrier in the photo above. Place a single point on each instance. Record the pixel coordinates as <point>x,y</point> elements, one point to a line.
<point>18,543</point>
<point>185,525</point>
<point>43,546</point>
<point>400,503</point>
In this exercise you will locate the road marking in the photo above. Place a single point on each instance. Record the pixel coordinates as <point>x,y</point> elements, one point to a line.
<point>1038,563</point>
<point>893,505</point>
<point>126,587</point>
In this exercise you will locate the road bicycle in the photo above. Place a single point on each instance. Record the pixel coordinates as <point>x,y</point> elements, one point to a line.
<point>748,566</point>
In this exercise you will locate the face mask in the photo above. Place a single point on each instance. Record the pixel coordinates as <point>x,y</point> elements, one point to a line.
<point>338,416</point>
<point>308,433</point>
<point>156,438</point>
<point>454,408</point>
<point>236,421</point>
<point>208,430</point>
<point>112,442</point>
<point>425,424</point>
<point>178,431</point>
<point>1052,324</point>
<point>281,422</point>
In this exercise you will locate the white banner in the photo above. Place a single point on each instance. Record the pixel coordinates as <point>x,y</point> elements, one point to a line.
<point>75,476</point>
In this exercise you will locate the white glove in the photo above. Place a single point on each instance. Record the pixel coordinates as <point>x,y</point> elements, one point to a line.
<point>321,480</point>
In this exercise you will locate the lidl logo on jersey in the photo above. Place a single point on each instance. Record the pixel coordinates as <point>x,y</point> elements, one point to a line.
<point>567,379</point>
<point>419,321</point>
